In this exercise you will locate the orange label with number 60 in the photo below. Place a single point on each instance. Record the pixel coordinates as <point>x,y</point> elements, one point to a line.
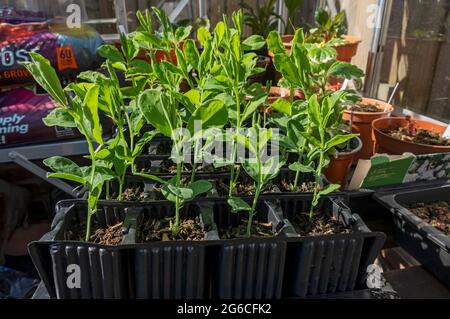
<point>66,58</point>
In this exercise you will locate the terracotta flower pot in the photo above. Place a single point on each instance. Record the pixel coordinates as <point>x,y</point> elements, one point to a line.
<point>345,52</point>
<point>362,124</point>
<point>390,145</point>
<point>337,171</point>
<point>348,50</point>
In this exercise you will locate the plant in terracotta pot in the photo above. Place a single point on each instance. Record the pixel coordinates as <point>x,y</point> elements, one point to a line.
<point>331,30</point>
<point>361,115</point>
<point>309,67</point>
<point>397,135</point>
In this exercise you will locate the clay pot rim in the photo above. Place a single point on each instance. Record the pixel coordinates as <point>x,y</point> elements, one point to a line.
<point>351,39</point>
<point>406,142</point>
<point>390,109</point>
<point>342,155</point>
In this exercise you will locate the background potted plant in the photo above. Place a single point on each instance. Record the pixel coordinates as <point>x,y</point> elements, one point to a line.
<point>331,30</point>
<point>397,135</point>
<point>361,115</point>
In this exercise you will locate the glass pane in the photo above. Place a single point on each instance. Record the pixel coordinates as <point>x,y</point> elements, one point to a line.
<point>417,55</point>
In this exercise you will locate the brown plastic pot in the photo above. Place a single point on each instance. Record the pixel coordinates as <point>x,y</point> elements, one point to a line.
<point>362,124</point>
<point>337,171</point>
<point>347,51</point>
<point>390,145</point>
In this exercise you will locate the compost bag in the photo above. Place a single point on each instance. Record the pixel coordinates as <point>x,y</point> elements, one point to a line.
<point>70,51</point>
<point>21,115</point>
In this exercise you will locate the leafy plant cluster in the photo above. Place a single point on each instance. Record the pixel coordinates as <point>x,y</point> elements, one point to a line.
<point>135,89</point>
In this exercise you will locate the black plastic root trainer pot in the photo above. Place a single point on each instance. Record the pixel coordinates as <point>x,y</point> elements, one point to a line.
<point>427,244</point>
<point>257,268</point>
<point>174,269</point>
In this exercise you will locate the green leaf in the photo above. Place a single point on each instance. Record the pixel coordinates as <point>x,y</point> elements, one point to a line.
<point>157,111</point>
<point>213,113</point>
<point>110,52</point>
<point>144,140</point>
<point>329,189</point>
<point>254,42</point>
<point>323,55</point>
<point>237,205</point>
<point>192,54</point>
<point>69,177</point>
<point>298,167</point>
<point>288,69</point>
<point>194,96</point>
<point>275,44</point>
<point>181,33</point>
<point>314,111</point>
<point>45,76</point>
<point>219,31</point>
<point>91,102</point>
<point>345,70</point>
<point>203,35</point>
<point>59,117</point>
<point>200,187</point>
<point>283,106</point>
<point>252,105</point>
<point>65,166</point>
<point>181,192</point>
<point>338,140</point>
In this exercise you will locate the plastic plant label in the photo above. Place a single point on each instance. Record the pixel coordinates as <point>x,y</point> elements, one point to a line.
<point>447,132</point>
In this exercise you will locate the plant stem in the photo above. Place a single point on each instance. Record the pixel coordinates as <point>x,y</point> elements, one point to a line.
<point>91,210</point>
<point>238,128</point>
<point>316,187</point>
<point>252,212</point>
<point>177,199</point>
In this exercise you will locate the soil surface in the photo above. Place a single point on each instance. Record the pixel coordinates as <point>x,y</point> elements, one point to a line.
<point>411,133</point>
<point>112,235</point>
<point>259,229</point>
<point>168,166</point>
<point>360,107</point>
<point>108,236</point>
<point>321,224</point>
<point>159,230</point>
<point>305,187</point>
<point>242,189</point>
<point>134,195</point>
<point>436,214</point>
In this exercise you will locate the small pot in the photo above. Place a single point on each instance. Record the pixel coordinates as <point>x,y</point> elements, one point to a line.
<point>390,145</point>
<point>347,51</point>
<point>362,124</point>
<point>337,171</point>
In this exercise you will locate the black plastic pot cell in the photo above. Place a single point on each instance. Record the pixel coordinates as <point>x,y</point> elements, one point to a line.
<point>131,270</point>
<point>317,265</point>
<point>427,244</point>
<point>101,268</point>
<point>249,268</point>
<point>172,270</point>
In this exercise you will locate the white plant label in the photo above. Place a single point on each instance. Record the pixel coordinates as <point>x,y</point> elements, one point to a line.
<point>447,132</point>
